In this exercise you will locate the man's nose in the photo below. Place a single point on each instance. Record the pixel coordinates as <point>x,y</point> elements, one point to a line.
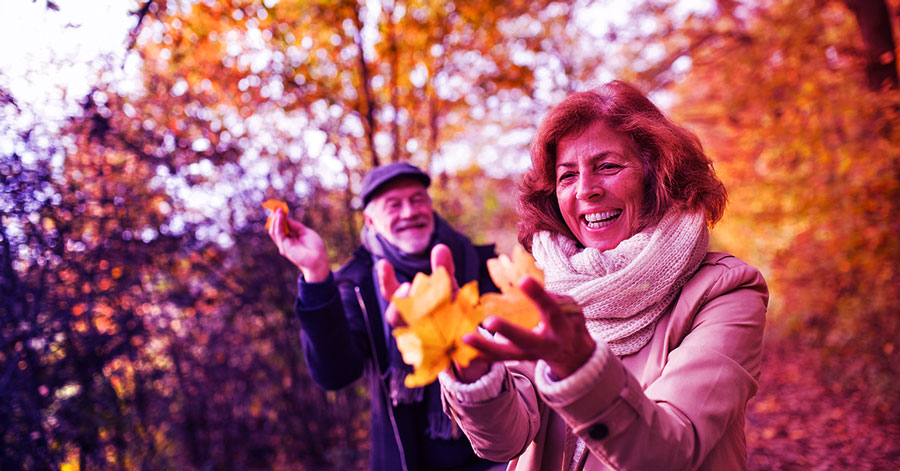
<point>407,209</point>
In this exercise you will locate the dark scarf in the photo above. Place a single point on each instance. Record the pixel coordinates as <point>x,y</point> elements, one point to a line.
<point>467,267</point>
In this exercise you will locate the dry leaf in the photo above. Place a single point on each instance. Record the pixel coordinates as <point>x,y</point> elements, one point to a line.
<point>273,205</point>
<point>426,294</point>
<point>511,303</point>
<point>432,338</point>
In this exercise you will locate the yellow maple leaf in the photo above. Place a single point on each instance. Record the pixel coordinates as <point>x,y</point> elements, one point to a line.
<point>511,303</point>
<point>426,294</point>
<point>273,205</point>
<point>432,338</point>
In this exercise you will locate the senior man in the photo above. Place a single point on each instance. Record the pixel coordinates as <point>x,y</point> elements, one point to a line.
<point>342,316</point>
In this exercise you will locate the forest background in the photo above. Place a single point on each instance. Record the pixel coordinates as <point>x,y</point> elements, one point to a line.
<point>147,321</point>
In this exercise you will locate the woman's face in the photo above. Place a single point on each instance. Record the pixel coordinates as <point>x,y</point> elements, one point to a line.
<point>600,186</point>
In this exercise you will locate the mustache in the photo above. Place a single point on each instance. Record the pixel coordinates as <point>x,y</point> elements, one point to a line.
<point>412,222</point>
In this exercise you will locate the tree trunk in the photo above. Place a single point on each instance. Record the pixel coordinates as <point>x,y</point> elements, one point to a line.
<point>368,98</point>
<point>395,99</point>
<point>878,38</point>
<point>394,57</point>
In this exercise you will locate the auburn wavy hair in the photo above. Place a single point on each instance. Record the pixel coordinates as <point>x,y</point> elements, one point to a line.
<point>676,170</point>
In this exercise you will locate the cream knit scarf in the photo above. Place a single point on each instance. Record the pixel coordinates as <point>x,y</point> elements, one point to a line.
<point>624,291</point>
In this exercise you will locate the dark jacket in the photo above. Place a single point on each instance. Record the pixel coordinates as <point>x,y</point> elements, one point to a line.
<point>335,336</point>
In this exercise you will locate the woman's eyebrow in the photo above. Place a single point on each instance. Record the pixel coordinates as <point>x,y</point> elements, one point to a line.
<point>602,155</point>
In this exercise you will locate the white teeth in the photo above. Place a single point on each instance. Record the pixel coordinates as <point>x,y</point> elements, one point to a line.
<point>603,219</point>
<point>599,217</point>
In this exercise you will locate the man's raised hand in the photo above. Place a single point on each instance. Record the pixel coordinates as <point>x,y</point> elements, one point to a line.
<point>303,247</point>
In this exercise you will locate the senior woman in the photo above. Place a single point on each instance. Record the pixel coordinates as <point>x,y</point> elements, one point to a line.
<point>649,346</point>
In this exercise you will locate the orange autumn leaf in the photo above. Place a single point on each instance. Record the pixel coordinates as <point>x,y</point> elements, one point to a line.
<point>426,294</point>
<point>432,338</point>
<point>511,303</point>
<point>273,205</point>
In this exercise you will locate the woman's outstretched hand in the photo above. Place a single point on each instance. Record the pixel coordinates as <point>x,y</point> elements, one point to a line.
<point>561,339</point>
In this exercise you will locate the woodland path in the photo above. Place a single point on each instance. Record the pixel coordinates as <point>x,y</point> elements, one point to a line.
<point>801,421</point>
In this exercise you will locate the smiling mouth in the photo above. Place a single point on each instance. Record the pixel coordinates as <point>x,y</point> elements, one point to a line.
<point>601,219</point>
<point>414,225</point>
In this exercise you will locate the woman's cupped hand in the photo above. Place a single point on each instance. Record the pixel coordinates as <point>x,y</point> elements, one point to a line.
<point>561,338</point>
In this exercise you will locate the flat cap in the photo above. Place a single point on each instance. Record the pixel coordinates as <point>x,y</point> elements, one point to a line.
<point>382,174</point>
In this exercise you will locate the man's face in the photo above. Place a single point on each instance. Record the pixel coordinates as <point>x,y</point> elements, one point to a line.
<point>402,214</point>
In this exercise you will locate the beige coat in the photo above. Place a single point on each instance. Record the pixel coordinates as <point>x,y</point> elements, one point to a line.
<point>678,403</point>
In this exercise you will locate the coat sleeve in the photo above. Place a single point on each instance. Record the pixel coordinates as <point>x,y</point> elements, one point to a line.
<point>704,387</point>
<point>499,426</point>
<point>673,423</point>
<point>333,332</point>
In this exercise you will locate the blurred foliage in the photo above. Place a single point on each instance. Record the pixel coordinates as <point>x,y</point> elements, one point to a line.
<point>811,156</point>
<point>147,321</point>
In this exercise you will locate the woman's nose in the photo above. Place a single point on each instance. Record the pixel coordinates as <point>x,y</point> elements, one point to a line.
<point>588,187</point>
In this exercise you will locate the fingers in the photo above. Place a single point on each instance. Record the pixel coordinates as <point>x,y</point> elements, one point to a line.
<point>392,314</point>
<point>493,351</point>
<point>275,232</point>
<point>541,298</point>
<point>277,221</point>
<point>387,279</point>
<point>295,227</point>
<point>442,257</point>
<point>526,340</point>
<point>553,309</point>
<point>390,287</point>
<point>477,368</point>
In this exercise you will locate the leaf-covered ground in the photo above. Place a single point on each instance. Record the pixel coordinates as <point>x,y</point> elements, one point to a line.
<point>801,421</point>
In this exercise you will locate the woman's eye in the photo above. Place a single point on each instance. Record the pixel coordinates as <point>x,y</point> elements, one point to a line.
<point>608,167</point>
<point>566,177</point>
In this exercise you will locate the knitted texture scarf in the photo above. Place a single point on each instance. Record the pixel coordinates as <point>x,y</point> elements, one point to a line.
<point>624,291</point>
